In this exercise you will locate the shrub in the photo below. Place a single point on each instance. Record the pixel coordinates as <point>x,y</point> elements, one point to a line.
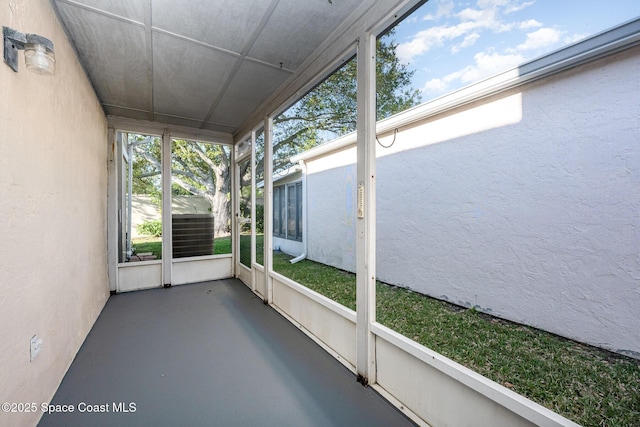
<point>260,219</point>
<point>245,210</point>
<point>152,228</point>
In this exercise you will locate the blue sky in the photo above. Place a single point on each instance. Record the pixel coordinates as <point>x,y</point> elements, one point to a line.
<point>451,44</point>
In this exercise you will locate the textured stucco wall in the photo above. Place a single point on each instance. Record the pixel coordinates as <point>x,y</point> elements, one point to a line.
<point>53,157</point>
<point>525,205</point>
<point>331,210</point>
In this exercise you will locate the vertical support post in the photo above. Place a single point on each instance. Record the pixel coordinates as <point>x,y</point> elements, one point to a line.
<point>113,157</point>
<point>268,206</point>
<point>122,192</point>
<point>235,203</point>
<point>167,243</point>
<point>129,222</point>
<point>366,213</point>
<point>253,210</point>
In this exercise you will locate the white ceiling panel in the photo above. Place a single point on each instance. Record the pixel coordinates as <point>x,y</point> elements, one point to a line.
<point>208,64</point>
<point>294,29</point>
<point>252,83</point>
<point>135,10</point>
<point>114,53</point>
<point>187,76</point>
<point>227,24</point>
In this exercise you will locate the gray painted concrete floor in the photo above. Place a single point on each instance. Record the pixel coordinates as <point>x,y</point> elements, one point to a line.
<point>209,354</point>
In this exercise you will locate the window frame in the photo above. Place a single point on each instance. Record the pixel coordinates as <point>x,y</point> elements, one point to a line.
<point>282,210</point>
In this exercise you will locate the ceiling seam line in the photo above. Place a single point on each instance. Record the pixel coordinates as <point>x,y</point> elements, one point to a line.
<point>102,12</point>
<point>148,34</point>
<point>223,90</point>
<point>267,64</point>
<point>245,51</point>
<point>196,42</point>
<point>165,115</point>
<point>263,22</point>
<point>125,108</point>
<point>193,120</point>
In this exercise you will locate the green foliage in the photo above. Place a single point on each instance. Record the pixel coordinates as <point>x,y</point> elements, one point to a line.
<point>245,212</point>
<point>197,168</point>
<point>330,109</point>
<point>177,190</point>
<point>260,218</point>
<point>146,165</point>
<point>151,228</point>
<point>394,93</point>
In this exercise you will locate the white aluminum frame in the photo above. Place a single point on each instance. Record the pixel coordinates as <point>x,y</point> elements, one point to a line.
<point>366,218</point>
<point>268,207</point>
<point>124,277</point>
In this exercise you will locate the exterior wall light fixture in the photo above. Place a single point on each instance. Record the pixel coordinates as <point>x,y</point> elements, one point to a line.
<point>38,51</point>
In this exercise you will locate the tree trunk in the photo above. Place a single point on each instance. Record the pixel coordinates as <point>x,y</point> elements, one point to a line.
<point>220,204</point>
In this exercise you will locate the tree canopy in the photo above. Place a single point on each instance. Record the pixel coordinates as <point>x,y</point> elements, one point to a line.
<point>330,109</point>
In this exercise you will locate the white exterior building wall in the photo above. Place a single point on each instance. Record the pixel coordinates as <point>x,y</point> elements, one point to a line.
<point>331,209</point>
<point>524,205</point>
<point>53,192</point>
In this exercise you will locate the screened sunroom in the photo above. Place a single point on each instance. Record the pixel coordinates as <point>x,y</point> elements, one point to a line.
<point>272,212</point>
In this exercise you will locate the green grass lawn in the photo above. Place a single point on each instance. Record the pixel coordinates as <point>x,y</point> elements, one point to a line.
<point>245,249</point>
<point>590,386</point>
<point>222,245</point>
